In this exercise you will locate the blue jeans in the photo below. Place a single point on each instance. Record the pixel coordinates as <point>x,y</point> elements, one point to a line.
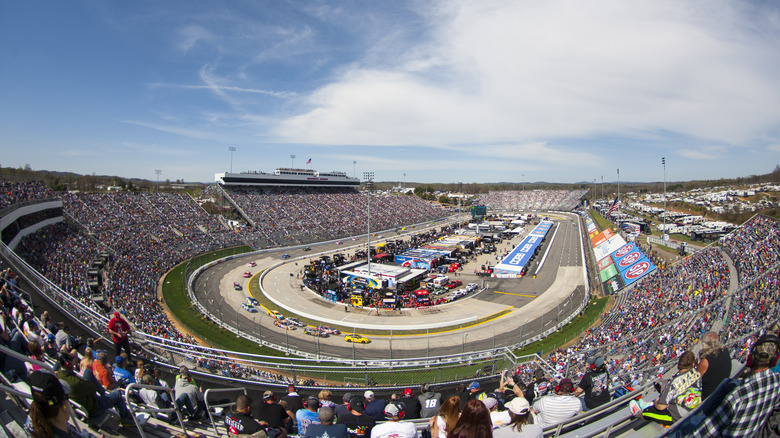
<point>113,399</point>
<point>184,402</point>
<point>687,425</point>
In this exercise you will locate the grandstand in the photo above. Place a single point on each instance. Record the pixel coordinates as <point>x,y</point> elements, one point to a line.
<point>652,322</point>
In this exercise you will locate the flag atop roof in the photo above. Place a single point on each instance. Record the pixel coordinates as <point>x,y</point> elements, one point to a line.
<point>309,161</point>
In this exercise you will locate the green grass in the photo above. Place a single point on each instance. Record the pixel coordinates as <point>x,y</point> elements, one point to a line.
<point>601,223</point>
<point>575,328</point>
<point>178,302</point>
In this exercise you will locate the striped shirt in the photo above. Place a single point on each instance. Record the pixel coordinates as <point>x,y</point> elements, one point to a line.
<point>555,409</point>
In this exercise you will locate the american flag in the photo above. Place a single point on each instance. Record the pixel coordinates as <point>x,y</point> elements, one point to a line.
<point>308,162</point>
<point>613,207</point>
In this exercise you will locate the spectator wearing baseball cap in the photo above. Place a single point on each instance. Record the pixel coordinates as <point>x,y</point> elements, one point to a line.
<point>49,409</point>
<point>558,407</point>
<point>343,408</point>
<point>474,391</point>
<point>595,384</point>
<point>429,401</point>
<point>394,427</point>
<point>271,414</point>
<point>411,404</point>
<point>122,376</point>
<point>375,407</point>
<point>359,425</point>
<point>522,422</point>
<point>293,399</point>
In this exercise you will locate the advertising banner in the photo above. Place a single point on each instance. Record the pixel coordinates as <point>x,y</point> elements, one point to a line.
<point>637,271</point>
<point>603,263</point>
<point>607,273</point>
<point>608,247</point>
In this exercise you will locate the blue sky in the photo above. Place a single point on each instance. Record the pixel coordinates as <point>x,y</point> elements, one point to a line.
<point>441,91</point>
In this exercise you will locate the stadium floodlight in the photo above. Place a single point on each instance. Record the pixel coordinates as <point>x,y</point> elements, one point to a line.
<point>663,163</point>
<point>231,149</point>
<point>368,177</point>
<point>158,172</point>
<point>292,161</point>
<point>354,167</point>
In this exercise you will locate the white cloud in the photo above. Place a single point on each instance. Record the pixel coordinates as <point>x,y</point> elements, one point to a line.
<point>526,71</point>
<point>703,153</point>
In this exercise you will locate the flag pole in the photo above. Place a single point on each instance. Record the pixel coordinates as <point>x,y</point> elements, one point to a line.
<point>618,172</point>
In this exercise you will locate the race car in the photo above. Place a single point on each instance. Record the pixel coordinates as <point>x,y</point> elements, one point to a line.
<point>453,284</point>
<point>249,308</point>
<point>275,315</point>
<point>252,301</point>
<point>357,339</point>
<point>247,274</point>
<point>285,256</point>
<point>236,286</point>
<point>296,322</point>
<point>315,332</point>
<point>308,248</point>
<point>284,324</point>
<point>329,330</point>
<point>252,264</point>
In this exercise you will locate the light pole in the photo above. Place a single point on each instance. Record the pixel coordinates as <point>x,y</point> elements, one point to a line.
<point>663,162</point>
<point>354,169</point>
<point>602,186</point>
<point>369,179</point>
<point>465,337</point>
<point>158,172</point>
<point>292,161</point>
<point>231,149</point>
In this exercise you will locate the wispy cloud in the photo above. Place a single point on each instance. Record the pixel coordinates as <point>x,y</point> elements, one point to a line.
<point>703,153</point>
<point>227,88</point>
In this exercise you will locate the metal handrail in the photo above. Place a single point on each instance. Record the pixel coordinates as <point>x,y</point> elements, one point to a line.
<point>133,408</point>
<point>218,405</point>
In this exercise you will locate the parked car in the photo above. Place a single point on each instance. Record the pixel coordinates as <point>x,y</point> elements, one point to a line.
<point>357,339</point>
<point>453,284</point>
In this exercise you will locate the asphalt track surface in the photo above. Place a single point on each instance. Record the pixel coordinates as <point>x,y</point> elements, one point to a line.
<point>531,305</point>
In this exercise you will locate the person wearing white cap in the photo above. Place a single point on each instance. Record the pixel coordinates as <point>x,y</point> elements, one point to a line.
<point>394,427</point>
<point>375,407</point>
<point>522,421</point>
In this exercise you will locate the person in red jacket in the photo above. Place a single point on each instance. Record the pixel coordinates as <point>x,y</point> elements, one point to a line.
<point>120,334</point>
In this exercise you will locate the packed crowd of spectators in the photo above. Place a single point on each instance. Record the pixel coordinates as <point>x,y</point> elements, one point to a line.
<point>755,247</point>
<point>663,315</point>
<point>525,200</point>
<point>12,193</point>
<point>291,216</point>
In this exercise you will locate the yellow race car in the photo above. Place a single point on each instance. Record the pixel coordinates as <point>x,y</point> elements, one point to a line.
<point>357,338</point>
